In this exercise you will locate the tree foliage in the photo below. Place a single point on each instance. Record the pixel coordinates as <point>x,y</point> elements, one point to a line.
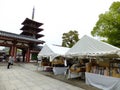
<point>108,25</point>
<point>70,38</point>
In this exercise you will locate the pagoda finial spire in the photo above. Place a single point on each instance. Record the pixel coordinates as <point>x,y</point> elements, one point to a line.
<point>33,12</point>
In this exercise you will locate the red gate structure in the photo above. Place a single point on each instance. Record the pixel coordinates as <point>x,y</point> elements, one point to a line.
<point>27,40</point>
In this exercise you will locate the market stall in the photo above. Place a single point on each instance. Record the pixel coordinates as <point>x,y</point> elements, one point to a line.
<point>45,64</point>
<point>53,51</point>
<point>72,73</point>
<point>76,70</point>
<point>88,47</point>
<point>58,64</point>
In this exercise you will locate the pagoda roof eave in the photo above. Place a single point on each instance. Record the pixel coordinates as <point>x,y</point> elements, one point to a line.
<point>37,35</point>
<point>26,27</point>
<point>27,20</point>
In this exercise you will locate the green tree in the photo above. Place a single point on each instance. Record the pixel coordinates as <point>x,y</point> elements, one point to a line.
<point>70,38</point>
<point>108,25</point>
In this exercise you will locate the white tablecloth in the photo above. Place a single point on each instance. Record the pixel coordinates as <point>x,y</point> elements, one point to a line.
<point>102,82</point>
<point>73,75</point>
<point>59,70</point>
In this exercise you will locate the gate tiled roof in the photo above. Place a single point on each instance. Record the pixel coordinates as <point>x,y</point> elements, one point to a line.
<point>17,36</point>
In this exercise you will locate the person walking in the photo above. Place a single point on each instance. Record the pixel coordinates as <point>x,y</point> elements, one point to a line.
<point>10,61</point>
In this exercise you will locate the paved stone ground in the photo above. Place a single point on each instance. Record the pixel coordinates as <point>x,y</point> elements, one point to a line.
<point>18,78</point>
<point>75,81</point>
<point>28,77</point>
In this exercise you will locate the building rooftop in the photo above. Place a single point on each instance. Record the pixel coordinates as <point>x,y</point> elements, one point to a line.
<point>29,21</point>
<point>21,37</point>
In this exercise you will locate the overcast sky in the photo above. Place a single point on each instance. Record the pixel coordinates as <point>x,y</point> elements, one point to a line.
<point>58,16</point>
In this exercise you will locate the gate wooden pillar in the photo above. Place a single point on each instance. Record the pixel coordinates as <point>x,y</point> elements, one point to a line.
<point>13,51</point>
<point>28,55</point>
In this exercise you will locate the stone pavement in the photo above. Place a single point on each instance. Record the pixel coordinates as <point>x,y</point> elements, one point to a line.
<point>20,78</point>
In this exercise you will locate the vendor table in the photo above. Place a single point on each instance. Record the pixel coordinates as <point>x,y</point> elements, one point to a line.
<point>59,70</point>
<point>102,82</point>
<point>73,75</point>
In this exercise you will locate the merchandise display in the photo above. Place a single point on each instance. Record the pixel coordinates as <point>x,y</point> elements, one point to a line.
<point>103,74</point>
<point>107,68</point>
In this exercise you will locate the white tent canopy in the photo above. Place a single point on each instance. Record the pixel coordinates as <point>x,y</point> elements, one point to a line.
<point>88,46</point>
<point>52,51</point>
